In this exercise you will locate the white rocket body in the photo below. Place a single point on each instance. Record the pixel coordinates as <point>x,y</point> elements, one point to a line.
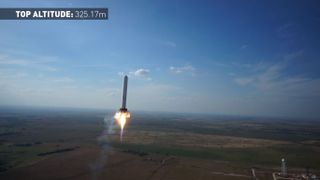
<point>124,95</point>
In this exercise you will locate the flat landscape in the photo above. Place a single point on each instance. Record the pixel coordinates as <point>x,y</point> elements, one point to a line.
<point>85,144</point>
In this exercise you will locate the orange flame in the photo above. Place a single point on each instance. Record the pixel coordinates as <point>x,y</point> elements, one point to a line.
<point>121,118</point>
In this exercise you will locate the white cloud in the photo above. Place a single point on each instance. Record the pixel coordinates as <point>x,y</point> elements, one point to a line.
<point>265,78</point>
<point>183,69</point>
<point>273,80</point>
<point>10,74</point>
<point>288,30</point>
<point>141,73</point>
<point>241,65</point>
<point>169,44</point>
<point>64,80</point>
<point>272,91</point>
<point>155,96</point>
<point>35,62</point>
<point>17,88</point>
<point>293,55</point>
<point>121,74</point>
<point>244,46</point>
<point>4,60</point>
<point>243,81</point>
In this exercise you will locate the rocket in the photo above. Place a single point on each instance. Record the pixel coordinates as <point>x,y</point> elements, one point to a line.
<point>123,114</point>
<point>124,95</point>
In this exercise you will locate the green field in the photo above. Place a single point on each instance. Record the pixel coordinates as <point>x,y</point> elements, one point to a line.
<point>247,142</point>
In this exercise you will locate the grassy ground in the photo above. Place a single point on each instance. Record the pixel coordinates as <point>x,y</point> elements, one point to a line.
<point>269,157</point>
<point>244,141</point>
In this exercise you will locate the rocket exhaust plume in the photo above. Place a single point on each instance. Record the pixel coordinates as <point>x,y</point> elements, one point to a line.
<point>98,165</point>
<point>123,114</point>
<point>121,118</point>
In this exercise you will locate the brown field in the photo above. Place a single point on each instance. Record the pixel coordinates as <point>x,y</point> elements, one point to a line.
<point>78,164</point>
<point>194,140</point>
<point>75,145</point>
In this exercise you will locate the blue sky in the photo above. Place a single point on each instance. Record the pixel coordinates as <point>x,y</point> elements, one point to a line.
<point>222,57</point>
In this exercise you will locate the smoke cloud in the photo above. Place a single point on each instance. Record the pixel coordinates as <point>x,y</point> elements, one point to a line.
<point>99,164</point>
